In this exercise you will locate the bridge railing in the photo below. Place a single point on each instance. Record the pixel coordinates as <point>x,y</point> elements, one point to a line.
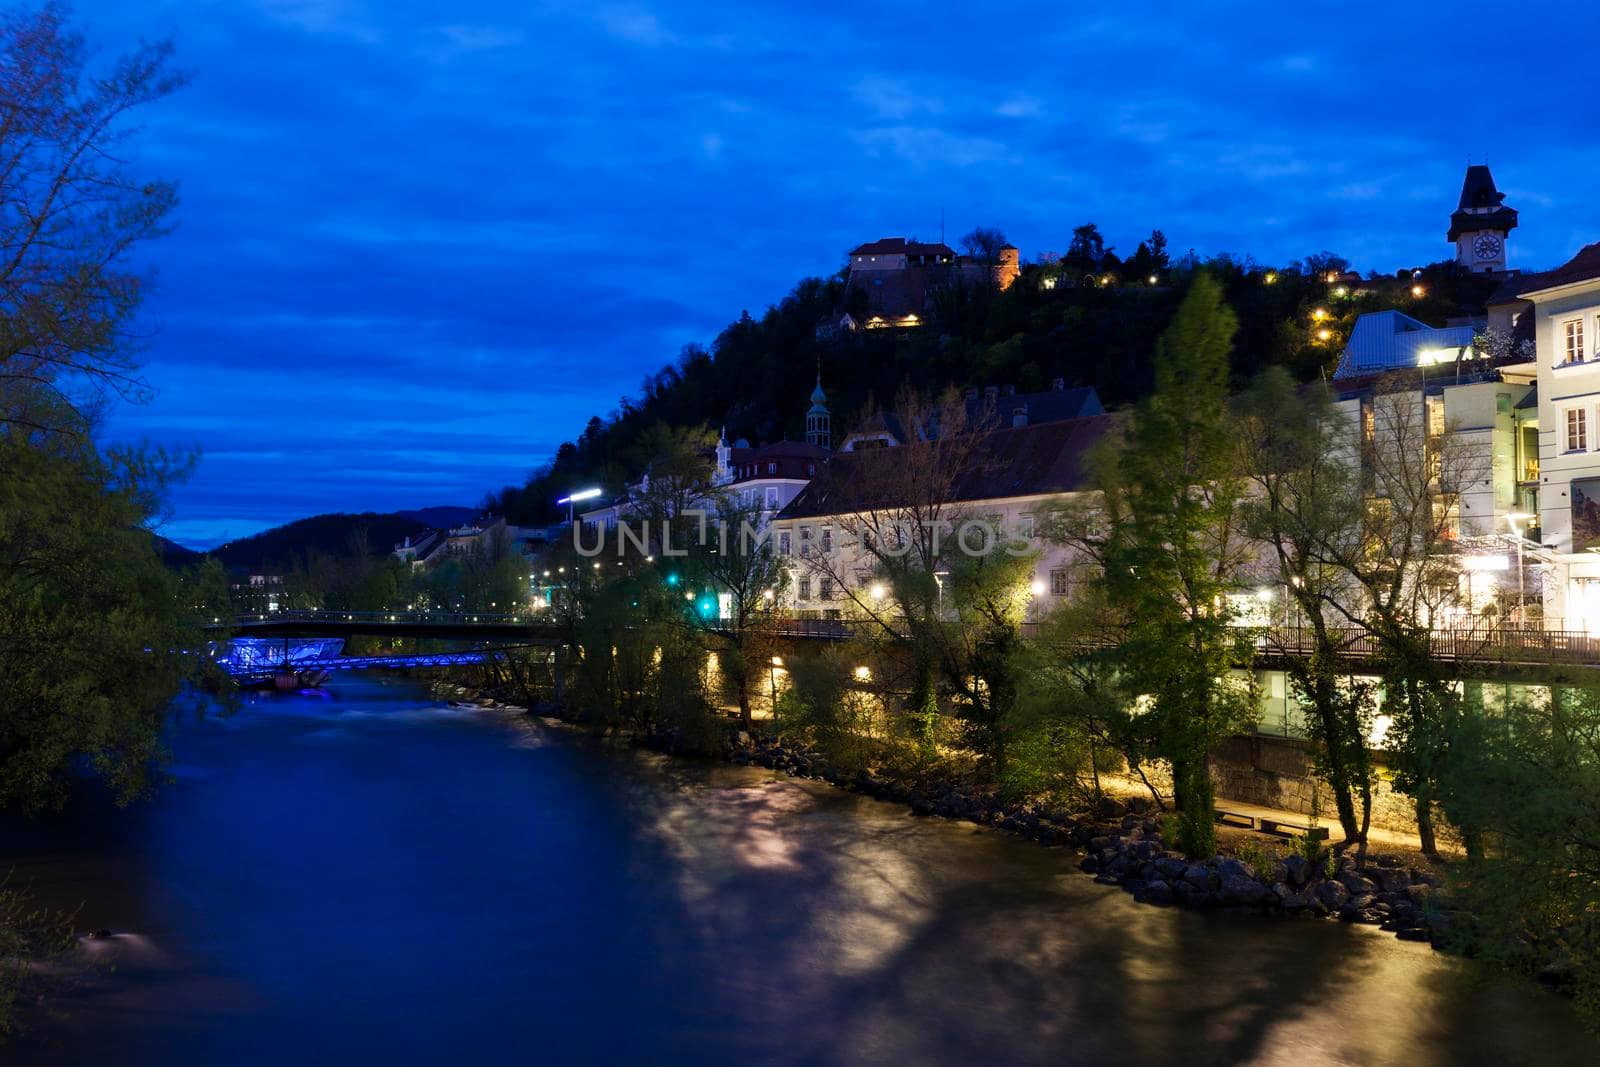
<point>453,618</point>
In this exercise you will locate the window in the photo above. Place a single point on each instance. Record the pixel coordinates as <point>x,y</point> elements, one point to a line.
<point>1060,581</point>
<point>1435,405</point>
<point>805,540</point>
<point>772,468</point>
<point>1577,430</point>
<point>783,542</point>
<point>805,588</point>
<point>827,589</point>
<point>1573,339</point>
<point>827,539</point>
<point>772,498</point>
<point>1025,528</point>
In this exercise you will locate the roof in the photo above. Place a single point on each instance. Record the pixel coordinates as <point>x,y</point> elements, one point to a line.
<point>1583,267</point>
<point>1477,188</point>
<point>897,246</point>
<point>1480,206</point>
<point>1050,406</point>
<point>1030,460</point>
<point>1392,340</point>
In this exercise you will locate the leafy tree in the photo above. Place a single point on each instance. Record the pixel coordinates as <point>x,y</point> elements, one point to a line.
<point>94,629</point>
<point>1305,509</point>
<point>1171,554</point>
<point>1087,252</point>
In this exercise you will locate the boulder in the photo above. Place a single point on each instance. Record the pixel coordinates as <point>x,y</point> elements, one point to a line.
<point>1191,895</point>
<point>1356,882</point>
<point>1332,895</point>
<point>1090,864</point>
<point>1197,875</point>
<point>1158,893</point>
<point>1229,867</point>
<point>1294,870</point>
<point>1239,889</point>
<point>1412,933</point>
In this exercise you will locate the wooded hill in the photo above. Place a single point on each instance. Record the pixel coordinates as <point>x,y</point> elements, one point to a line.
<point>1087,317</point>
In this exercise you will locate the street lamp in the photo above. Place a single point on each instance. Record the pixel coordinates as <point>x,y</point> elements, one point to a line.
<point>1515,519</point>
<point>938,579</point>
<point>571,498</point>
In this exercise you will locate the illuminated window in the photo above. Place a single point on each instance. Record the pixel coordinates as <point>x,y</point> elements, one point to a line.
<point>805,540</point>
<point>1060,581</point>
<point>1577,430</point>
<point>827,539</point>
<point>827,589</point>
<point>1574,341</point>
<point>805,588</point>
<point>1435,416</point>
<point>783,542</point>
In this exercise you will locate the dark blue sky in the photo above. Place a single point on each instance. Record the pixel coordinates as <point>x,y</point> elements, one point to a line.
<point>421,243</point>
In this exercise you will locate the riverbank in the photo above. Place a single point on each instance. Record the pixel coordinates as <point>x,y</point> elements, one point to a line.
<point>1123,843</point>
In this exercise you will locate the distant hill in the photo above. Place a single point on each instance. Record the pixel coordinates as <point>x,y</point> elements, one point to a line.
<point>370,533</point>
<point>174,554</point>
<point>442,517</point>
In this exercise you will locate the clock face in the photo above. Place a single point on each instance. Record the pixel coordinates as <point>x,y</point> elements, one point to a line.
<point>1487,246</point>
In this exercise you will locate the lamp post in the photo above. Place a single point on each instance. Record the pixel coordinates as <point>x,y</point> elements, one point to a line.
<point>938,579</point>
<point>571,498</point>
<point>1514,520</point>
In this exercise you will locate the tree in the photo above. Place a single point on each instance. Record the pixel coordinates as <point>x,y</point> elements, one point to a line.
<point>1300,455</point>
<point>1087,250</point>
<point>1171,554</point>
<point>983,245</point>
<point>746,580</point>
<point>94,629</point>
<point>73,214</point>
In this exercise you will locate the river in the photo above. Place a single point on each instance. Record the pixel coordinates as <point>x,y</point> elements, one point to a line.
<point>369,876</point>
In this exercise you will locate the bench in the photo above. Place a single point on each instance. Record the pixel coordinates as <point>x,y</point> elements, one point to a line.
<point>1235,818</point>
<point>1289,829</point>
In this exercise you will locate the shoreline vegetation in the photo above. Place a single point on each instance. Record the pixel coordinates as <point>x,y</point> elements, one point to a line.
<point>1125,841</point>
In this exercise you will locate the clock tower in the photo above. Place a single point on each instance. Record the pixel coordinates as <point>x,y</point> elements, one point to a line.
<point>1481,223</point>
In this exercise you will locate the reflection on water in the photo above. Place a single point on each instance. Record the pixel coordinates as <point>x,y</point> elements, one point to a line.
<point>375,876</point>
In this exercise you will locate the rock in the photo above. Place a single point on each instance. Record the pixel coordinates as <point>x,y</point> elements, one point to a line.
<point>1332,895</point>
<point>1138,805</point>
<point>1412,933</point>
<point>1419,894</point>
<point>1197,875</point>
<point>1090,864</point>
<point>1356,882</point>
<point>1294,870</point>
<point>1239,889</point>
<point>1158,893</point>
<point>1393,880</point>
<point>1229,867</point>
<point>1191,895</point>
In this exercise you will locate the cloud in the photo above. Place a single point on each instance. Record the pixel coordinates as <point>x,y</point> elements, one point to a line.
<point>635,26</point>
<point>893,99</point>
<point>1020,107</point>
<point>926,146</point>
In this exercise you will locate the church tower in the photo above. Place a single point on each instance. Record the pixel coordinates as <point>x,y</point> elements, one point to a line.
<point>1481,223</point>
<point>819,424</point>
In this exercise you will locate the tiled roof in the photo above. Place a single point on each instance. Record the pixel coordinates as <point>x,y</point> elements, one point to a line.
<point>1583,267</point>
<point>895,246</point>
<point>1026,461</point>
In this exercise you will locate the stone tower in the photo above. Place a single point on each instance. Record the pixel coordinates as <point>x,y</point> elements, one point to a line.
<point>1481,223</point>
<point>819,423</point>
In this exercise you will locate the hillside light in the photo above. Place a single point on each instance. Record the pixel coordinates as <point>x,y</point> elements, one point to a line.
<point>1341,291</point>
<point>1036,587</point>
<point>1418,291</point>
<point>877,591</point>
<point>863,673</point>
<point>1153,279</point>
<point>768,594</point>
<point>1319,314</point>
<point>1324,334</point>
<point>1271,277</point>
<point>672,578</point>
